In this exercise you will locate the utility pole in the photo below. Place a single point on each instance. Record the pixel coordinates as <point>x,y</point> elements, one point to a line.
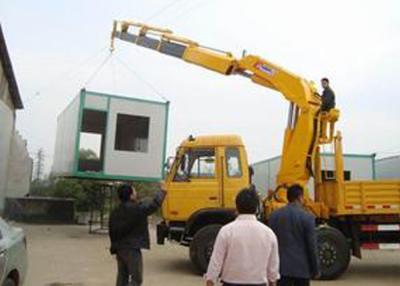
<point>39,164</point>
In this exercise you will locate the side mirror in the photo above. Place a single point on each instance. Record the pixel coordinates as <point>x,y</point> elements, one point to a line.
<point>183,164</point>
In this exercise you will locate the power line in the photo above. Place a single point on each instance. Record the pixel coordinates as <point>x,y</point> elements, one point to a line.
<point>67,73</point>
<point>162,10</point>
<point>197,6</point>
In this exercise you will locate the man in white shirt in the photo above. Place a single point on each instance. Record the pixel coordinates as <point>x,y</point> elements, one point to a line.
<point>245,251</point>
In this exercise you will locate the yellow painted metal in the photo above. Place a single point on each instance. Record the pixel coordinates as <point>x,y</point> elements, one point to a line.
<point>307,129</point>
<point>213,140</point>
<point>218,62</point>
<point>344,198</point>
<point>186,197</point>
<point>370,198</point>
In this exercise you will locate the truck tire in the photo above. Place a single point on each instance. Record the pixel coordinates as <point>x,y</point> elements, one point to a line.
<point>333,252</point>
<point>9,282</point>
<point>202,246</point>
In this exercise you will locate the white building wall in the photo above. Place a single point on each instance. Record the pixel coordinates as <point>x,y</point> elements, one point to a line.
<point>265,174</point>
<point>141,164</point>
<point>361,167</point>
<point>19,168</point>
<point>4,91</point>
<point>15,163</point>
<point>388,168</point>
<point>6,132</point>
<point>67,125</point>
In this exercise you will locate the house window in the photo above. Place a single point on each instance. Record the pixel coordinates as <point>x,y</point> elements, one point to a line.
<point>329,175</point>
<point>91,143</point>
<point>132,133</point>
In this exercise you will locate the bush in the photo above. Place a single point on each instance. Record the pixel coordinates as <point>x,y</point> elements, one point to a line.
<point>87,193</point>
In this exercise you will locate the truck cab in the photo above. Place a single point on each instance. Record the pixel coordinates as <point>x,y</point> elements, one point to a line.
<point>202,182</point>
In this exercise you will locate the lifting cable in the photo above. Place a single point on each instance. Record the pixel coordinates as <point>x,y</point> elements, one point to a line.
<point>110,58</point>
<point>96,71</point>
<point>139,77</point>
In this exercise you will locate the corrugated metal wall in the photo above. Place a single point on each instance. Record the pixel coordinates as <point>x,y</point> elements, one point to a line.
<point>361,167</point>
<point>388,168</point>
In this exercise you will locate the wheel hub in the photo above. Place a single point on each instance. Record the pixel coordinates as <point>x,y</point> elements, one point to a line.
<point>327,254</point>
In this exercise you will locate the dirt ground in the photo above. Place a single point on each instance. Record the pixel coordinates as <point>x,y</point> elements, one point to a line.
<point>61,255</point>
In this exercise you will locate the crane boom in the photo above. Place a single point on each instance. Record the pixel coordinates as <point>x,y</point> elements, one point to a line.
<point>302,134</point>
<point>260,71</point>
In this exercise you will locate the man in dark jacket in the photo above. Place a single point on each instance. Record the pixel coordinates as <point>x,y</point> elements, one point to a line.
<point>129,233</point>
<point>295,230</point>
<point>328,96</point>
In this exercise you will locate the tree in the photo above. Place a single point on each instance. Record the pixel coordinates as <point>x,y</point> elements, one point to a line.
<point>39,165</point>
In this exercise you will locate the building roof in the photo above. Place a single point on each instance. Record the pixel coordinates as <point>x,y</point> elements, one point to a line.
<point>394,157</point>
<point>345,155</point>
<point>9,73</point>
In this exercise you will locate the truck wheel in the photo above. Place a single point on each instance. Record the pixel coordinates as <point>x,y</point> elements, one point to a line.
<point>333,252</point>
<point>9,282</point>
<point>202,246</point>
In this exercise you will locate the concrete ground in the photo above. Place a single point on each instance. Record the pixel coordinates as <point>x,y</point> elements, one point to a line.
<point>67,255</point>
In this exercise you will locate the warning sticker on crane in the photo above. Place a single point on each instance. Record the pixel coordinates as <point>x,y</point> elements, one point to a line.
<point>264,68</point>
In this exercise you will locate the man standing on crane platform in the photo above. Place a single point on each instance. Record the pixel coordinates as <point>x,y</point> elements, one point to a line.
<point>328,96</point>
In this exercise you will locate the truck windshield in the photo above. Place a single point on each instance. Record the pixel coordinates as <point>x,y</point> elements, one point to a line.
<point>196,163</point>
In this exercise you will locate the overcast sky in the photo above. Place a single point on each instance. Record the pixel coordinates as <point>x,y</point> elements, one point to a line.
<point>55,47</point>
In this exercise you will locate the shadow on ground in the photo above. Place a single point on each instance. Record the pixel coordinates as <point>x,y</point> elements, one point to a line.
<point>179,266</point>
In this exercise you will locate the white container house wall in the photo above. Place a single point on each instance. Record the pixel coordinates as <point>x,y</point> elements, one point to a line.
<point>110,137</point>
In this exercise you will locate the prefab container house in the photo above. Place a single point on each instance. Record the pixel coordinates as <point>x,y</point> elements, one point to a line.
<point>110,137</point>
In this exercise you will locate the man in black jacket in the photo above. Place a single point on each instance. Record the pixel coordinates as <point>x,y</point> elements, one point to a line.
<point>129,233</point>
<point>328,96</point>
<point>295,230</point>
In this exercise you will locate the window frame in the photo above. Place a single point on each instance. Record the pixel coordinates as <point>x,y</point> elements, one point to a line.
<point>188,152</point>
<point>227,149</point>
<point>133,150</point>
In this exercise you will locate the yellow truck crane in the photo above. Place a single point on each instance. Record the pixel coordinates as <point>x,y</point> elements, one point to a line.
<point>208,171</point>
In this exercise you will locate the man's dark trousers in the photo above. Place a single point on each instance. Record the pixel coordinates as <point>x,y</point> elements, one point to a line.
<point>293,281</point>
<point>129,233</point>
<point>130,263</point>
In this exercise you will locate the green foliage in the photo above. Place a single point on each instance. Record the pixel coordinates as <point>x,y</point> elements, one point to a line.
<point>87,154</point>
<point>42,188</point>
<point>146,189</point>
<point>88,194</point>
<point>70,188</point>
